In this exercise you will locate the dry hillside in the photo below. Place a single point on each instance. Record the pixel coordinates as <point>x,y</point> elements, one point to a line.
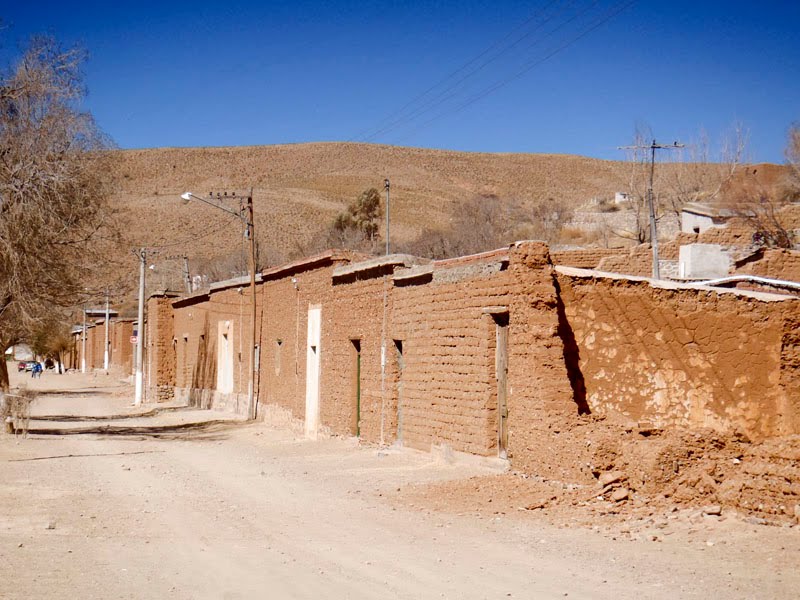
<point>299,188</point>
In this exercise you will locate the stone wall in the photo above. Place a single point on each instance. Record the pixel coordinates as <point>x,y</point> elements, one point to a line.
<point>676,356</point>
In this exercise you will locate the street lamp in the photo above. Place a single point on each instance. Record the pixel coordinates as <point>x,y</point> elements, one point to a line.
<point>249,223</point>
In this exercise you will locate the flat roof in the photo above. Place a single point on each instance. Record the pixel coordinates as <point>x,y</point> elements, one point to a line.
<point>500,253</point>
<point>707,210</point>
<point>308,263</point>
<point>391,260</point>
<point>672,285</point>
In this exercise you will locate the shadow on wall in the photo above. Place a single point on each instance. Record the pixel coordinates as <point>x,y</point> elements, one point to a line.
<point>205,369</point>
<point>572,356</point>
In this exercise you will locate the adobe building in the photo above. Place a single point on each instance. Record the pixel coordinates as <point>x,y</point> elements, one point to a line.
<point>207,335</point>
<point>496,354</point>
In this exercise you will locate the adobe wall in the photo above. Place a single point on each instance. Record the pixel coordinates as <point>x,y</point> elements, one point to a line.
<point>161,349</point>
<point>284,331</point>
<point>674,356</point>
<point>584,258</point>
<point>775,264</point>
<point>357,313</point>
<point>122,351</point>
<point>448,393</point>
<point>447,322</point>
<point>97,340</point>
<point>542,404</point>
<point>196,330</point>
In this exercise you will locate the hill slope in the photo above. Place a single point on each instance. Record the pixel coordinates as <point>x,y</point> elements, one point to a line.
<point>299,189</point>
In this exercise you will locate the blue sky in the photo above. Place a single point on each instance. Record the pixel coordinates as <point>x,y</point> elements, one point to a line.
<point>243,73</point>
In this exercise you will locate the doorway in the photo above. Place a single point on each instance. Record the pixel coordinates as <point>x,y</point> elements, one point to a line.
<point>225,358</point>
<point>312,371</point>
<point>501,379</point>
<point>355,369</point>
<point>399,365</point>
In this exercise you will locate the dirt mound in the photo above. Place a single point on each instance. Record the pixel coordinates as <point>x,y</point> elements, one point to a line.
<point>640,473</point>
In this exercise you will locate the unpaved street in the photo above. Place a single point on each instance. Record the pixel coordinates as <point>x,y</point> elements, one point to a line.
<point>189,506</point>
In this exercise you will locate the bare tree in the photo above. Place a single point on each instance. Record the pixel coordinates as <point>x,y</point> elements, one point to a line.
<point>637,174</point>
<point>53,185</point>
<point>701,175</point>
<point>488,222</point>
<point>793,161</point>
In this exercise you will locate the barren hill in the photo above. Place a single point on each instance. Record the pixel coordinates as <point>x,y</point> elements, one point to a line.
<point>299,189</point>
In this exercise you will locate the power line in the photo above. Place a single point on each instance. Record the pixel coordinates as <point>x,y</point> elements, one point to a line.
<point>528,66</point>
<point>389,118</point>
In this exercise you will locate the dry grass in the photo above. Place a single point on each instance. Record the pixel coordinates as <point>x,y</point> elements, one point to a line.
<point>299,189</point>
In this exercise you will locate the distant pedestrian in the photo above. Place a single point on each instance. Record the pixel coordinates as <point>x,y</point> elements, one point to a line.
<point>37,370</point>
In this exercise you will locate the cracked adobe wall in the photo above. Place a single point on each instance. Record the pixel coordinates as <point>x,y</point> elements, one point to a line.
<point>673,356</point>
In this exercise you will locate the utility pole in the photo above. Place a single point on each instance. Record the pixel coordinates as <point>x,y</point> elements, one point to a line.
<point>186,278</point>
<point>386,186</point>
<point>83,343</point>
<point>105,352</point>
<point>248,220</point>
<point>650,203</point>
<point>251,404</point>
<point>137,399</point>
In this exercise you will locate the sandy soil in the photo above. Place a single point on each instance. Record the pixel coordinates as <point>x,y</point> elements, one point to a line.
<point>228,510</point>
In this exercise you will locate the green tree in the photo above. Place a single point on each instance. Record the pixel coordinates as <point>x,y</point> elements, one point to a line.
<point>362,215</point>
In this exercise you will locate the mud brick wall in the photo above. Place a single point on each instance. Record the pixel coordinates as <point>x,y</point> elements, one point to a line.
<point>672,356</point>
<point>233,305</point>
<point>161,348</point>
<point>357,313</point>
<point>541,405</point>
<point>196,329</point>
<point>449,394</point>
<point>587,258</point>
<point>284,332</point>
<point>96,340</point>
<point>638,261</point>
<point>776,264</point>
<point>195,349</point>
<point>121,347</point>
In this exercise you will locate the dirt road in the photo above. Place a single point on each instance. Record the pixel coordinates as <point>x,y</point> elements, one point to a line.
<point>227,510</point>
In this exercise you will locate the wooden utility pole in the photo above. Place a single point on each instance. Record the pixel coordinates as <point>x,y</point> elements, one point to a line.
<point>248,219</point>
<point>650,202</point>
<point>251,236</point>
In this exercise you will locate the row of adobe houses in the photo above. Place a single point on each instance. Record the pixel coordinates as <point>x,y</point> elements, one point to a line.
<point>490,354</point>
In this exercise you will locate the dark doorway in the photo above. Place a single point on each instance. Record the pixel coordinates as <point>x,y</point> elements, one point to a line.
<point>355,354</point>
<point>399,362</point>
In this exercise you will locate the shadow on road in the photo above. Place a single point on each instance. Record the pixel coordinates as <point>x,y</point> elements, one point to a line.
<point>206,430</point>
<point>77,418</point>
